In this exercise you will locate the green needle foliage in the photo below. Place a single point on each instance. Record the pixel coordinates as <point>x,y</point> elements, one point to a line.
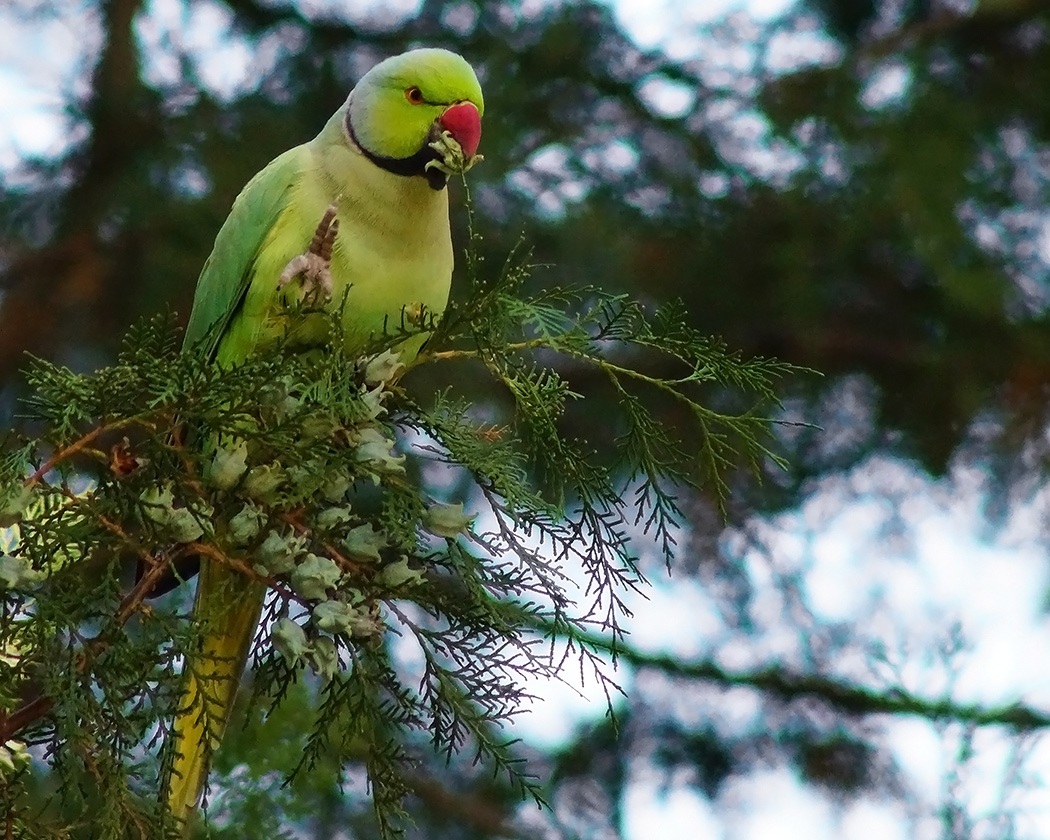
<point>315,473</point>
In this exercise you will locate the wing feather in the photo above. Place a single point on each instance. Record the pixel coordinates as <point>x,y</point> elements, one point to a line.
<point>227,273</point>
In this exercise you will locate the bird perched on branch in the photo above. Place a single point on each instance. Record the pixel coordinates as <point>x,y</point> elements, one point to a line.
<point>355,221</point>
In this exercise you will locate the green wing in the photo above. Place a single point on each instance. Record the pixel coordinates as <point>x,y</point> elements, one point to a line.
<point>227,273</point>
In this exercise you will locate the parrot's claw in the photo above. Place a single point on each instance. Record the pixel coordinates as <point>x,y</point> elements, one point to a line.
<point>315,266</point>
<point>316,274</point>
<point>453,161</point>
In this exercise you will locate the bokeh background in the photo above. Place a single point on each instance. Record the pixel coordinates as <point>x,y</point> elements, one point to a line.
<point>860,648</point>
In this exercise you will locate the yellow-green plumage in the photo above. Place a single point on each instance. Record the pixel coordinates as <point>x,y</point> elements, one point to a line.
<point>393,251</point>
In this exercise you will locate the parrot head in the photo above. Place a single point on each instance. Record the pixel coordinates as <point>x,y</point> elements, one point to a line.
<point>407,102</point>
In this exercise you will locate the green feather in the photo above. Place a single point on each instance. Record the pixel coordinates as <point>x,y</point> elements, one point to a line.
<point>228,272</point>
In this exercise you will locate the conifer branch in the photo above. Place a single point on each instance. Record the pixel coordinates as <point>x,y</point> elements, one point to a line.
<point>310,475</point>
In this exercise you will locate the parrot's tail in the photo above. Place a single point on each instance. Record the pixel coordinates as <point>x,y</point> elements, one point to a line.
<point>228,609</point>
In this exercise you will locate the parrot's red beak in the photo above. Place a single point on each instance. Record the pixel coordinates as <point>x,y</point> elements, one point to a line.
<point>463,122</point>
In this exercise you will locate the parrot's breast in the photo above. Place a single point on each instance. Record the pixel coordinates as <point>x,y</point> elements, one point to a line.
<point>392,258</point>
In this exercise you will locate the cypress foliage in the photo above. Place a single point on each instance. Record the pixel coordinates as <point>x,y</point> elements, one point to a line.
<point>321,475</point>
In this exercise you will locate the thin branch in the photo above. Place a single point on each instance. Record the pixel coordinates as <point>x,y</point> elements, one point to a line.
<point>341,559</point>
<point>846,697</point>
<point>69,451</point>
<point>212,553</point>
<point>427,357</point>
<point>22,717</point>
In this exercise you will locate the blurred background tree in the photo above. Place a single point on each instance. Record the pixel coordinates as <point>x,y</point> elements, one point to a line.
<point>859,187</point>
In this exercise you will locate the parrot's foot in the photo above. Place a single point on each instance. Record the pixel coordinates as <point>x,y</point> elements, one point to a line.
<point>315,266</point>
<point>453,160</point>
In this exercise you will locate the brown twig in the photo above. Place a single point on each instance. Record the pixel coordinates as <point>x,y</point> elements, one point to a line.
<point>79,445</point>
<point>347,564</point>
<point>143,587</point>
<point>63,454</point>
<point>19,719</point>
<point>212,553</point>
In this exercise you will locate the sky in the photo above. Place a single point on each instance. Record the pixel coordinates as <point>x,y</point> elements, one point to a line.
<point>918,558</point>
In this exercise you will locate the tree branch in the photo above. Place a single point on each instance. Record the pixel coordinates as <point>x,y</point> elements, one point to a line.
<point>847,698</point>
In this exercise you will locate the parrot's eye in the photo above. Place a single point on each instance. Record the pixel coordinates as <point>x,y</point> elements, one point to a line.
<point>414,95</point>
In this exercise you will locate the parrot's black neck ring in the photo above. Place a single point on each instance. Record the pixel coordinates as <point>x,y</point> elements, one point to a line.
<point>407,167</point>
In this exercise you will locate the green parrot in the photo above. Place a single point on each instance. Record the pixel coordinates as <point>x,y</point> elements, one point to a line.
<point>357,217</point>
